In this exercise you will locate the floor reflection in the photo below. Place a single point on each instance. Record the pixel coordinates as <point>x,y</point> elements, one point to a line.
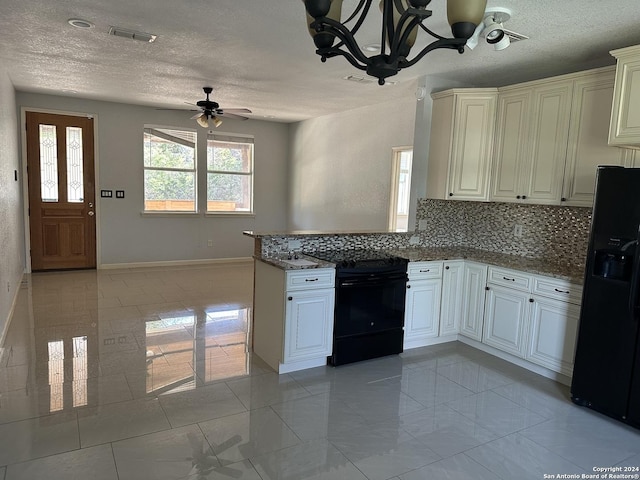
<point>88,338</point>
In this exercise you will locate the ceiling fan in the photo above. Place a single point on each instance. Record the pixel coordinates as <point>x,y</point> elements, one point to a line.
<point>210,111</point>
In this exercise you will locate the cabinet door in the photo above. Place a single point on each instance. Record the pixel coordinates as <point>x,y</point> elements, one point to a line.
<point>422,309</point>
<point>451,308</point>
<point>308,324</point>
<point>588,138</point>
<point>511,153</point>
<point>472,146</point>
<point>625,116</point>
<point>505,319</point>
<point>474,283</point>
<point>553,331</point>
<point>550,114</point>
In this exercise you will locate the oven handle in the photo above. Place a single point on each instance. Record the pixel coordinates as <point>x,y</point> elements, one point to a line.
<point>370,281</point>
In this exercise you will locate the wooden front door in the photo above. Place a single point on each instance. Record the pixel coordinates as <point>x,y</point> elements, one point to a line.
<point>60,168</point>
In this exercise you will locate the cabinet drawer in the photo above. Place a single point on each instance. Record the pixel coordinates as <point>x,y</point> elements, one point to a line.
<point>422,270</point>
<point>558,289</point>
<point>509,278</point>
<point>311,278</point>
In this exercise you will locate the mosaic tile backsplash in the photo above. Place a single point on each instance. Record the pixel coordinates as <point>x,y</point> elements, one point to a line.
<point>557,234</point>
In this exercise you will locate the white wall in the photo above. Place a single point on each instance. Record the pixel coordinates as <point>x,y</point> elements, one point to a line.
<point>126,236</point>
<point>340,167</point>
<point>11,220</point>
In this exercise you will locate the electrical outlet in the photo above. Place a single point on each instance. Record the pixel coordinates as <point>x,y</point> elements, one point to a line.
<point>294,245</point>
<point>414,240</point>
<point>422,224</point>
<point>517,230</point>
<point>209,243</point>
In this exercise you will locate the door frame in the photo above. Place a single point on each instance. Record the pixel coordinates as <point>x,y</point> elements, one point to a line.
<point>25,183</point>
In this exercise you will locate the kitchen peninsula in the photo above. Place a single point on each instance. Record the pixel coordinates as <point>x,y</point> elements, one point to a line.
<point>523,309</point>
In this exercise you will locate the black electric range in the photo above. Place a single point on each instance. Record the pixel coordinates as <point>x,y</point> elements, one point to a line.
<point>369,304</point>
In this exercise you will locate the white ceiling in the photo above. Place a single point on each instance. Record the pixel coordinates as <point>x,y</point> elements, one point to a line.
<point>257,53</point>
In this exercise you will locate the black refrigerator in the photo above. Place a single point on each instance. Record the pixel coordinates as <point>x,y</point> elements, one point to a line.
<point>606,374</point>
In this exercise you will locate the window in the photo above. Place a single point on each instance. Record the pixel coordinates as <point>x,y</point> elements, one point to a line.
<point>229,174</point>
<point>169,170</point>
<point>400,189</point>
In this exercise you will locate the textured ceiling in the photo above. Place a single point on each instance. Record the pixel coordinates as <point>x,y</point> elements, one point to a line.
<point>258,54</point>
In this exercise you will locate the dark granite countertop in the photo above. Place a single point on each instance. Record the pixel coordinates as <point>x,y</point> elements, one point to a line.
<point>539,266</point>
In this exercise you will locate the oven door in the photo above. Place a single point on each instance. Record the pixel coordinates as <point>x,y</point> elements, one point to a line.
<point>369,303</point>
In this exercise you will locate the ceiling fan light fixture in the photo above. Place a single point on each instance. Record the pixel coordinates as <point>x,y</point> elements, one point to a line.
<point>216,121</point>
<point>203,120</point>
<point>401,21</point>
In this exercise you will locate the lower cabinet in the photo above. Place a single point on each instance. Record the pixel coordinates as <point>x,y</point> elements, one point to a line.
<point>308,324</point>
<point>422,303</point>
<point>451,304</point>
<point>293,316</point>
<point>473,288</point>
<point>505,319</point>
<point>553,334</point>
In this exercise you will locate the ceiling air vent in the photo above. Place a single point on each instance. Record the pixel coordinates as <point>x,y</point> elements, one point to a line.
<point>359,79</point>
<point>132,34</point>
<point>514,36</point>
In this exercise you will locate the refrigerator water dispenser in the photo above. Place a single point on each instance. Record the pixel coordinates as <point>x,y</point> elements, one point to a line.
<point>614,265</point>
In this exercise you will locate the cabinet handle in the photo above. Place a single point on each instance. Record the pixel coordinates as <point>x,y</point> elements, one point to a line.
<point>289,298</point>
<point>486,288</point>
<point>518,197</point>
<point>447,267</point>
<point>531,300</point>
<point>510,279</point>
<point>450,194</point>
<point>561,291</point>
<point>310,279</point>
<point>408,286</point>
<point>563,199</point>
<point>425,271</point>
<point>524,197</point>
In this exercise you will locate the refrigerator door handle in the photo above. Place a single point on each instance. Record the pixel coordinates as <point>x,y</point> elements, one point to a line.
<point>635,280</point>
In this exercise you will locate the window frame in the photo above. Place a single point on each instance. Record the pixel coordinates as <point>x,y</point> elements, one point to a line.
<point>147,128</point>
<point>396,172</point>
<point>231,138</point>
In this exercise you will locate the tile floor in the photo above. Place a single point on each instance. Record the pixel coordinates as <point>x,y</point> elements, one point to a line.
<point>145,374</point>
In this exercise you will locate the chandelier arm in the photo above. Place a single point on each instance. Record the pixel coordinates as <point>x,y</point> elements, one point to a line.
<point>388,28</point>
<point>350,58</point>
<point>453,43</point>
<point>432,33</point>
<point>402,39</point>
<point>344,34</point>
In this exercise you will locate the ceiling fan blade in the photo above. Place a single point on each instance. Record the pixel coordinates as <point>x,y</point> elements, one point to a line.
<point>197,115</point>
<point>177,110</point>
<point>231,115</point>
<point>236,110</point>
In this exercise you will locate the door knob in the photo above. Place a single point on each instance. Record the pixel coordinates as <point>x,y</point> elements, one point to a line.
<point>91,214</point>
<point>90,204</point>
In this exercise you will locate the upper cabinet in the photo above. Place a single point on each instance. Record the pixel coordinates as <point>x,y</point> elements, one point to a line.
<point>461,143</point>
<point>624,130</point>
<point>549,138</point>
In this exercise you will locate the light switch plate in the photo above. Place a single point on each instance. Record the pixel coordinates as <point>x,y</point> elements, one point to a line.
<point>422,224</point>
<point>414,240</point>
<point>294,244</point>
<point>106,193</point>
<point>119,193</point>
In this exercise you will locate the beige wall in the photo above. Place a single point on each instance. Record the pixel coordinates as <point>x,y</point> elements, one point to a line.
<point>340,166</point>
<point>126,236</point>
<point>11,217</point>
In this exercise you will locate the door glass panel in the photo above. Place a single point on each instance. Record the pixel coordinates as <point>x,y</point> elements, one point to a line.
<point>75,186</point>
<point>80,371</point>
<point>56,375</point>
<point>48,163</point>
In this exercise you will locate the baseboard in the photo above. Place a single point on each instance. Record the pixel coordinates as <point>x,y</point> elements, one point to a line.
<point>5,329</point>
<point>174,263</point>
<point>545,372</point>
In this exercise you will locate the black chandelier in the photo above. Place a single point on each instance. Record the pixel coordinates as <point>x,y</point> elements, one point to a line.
<point>400,22</point>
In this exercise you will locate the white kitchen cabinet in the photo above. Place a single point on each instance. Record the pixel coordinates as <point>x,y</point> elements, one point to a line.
<point>473,294</point>
<point>451,305</point>
<point>554,322</point>
<point>293,316</point>
<point>461,144</point>
<point>308,324</point>
<point>553,332</point>
<point>551,135</point>
<point>587,146</point>
<point>624,128</point>
<point>422,303</point>
<point>506,319</point>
